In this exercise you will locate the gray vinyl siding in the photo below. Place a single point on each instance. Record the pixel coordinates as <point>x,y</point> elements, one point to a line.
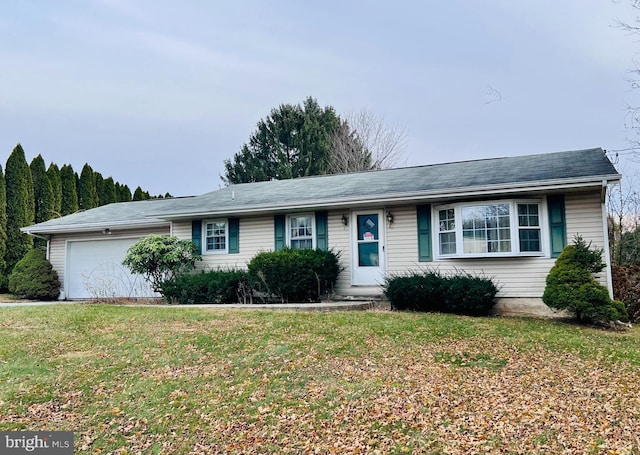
<point>57,244</point>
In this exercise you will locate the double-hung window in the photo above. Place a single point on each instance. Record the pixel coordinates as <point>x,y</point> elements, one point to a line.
<point>215,236</point>
<point>529,228</point>
<point>300,232</point>
<point>485,229</point>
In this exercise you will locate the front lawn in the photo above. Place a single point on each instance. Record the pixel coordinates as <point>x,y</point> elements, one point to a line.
<point>132,380</point>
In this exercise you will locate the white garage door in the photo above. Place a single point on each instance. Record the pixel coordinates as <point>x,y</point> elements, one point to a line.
<point>95,270</point>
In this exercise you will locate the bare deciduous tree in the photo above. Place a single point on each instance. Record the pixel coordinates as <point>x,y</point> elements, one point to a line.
<point>633,111</point>
<point>366,142</point>
<point>623,208</point>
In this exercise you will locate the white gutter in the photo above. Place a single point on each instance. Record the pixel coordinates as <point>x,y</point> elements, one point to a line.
<point>40,237</point>
<point>91,227</point>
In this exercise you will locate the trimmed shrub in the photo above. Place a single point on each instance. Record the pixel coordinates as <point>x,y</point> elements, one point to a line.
<point>429,291</point>
<point>215,286</point>
<point>416,292</point>
<point>571,286</point>
<point>468,294</point>
<point>33,278</point>
<point>626,288</point>
<point>294,275</point>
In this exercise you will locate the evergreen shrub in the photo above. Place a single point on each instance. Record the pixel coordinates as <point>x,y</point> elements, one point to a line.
<point>292,275</point>
<point>571,285</point>
<point>460,293</point>
<point>416,291</point>
<point>214,286</point>
<point>33,278</point>
<point>468,294</point>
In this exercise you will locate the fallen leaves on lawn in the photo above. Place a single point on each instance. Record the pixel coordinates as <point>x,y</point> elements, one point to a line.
<point>454,396</point>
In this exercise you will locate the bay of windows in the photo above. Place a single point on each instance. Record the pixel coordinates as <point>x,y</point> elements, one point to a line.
<point>489,229</point>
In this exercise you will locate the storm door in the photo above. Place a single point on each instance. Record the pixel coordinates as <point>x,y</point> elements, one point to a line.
<point>368,248</point>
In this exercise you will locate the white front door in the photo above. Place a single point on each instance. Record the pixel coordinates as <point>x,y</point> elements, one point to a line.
<point>367,244</point>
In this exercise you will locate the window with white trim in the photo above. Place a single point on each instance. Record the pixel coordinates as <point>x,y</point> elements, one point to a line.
<point>215,234</point>
<point>301,232</point>
<point>529,234</point>
<point>485,229</point>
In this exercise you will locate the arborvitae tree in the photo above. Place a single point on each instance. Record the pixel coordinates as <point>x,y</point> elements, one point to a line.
<point>98,180</point>
<point>87,193</point>
<point>56,190</point>
<point>123,193</point>
<point>69,202</point>
<point>139,195</point>
<point>106,191</point>
<point>43,194</point>
<point>20,203</point>
<point>167,194</point>
<point>4,278</point>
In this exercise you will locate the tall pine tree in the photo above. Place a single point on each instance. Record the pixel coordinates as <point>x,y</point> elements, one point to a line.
<point>98,180</point>
<point>123,193</point>
<point>43,195</point>
<point>139,195</point>
<point>56,189</point>
<point>293,141</point>
<point>69,202</point>
<point>20,206</point>
<point>4,279</point>
<point>107,193</point>
<point>87,193</point>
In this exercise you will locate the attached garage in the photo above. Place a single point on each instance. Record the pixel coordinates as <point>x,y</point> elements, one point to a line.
<point>94,270</point>
<point>87,248</point>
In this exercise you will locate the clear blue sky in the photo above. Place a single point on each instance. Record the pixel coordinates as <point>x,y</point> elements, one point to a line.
<point>159,93</point>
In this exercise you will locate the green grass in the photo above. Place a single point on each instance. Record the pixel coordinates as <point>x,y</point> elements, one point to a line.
<point>186,380</point>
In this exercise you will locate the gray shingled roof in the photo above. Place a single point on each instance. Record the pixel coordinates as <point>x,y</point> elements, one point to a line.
<point>388,184</point>
<point>581,167</point>
<point>130,214</point>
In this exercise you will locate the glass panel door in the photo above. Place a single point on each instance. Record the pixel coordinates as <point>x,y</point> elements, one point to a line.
<point>368,244</point>
<point>367,236</point>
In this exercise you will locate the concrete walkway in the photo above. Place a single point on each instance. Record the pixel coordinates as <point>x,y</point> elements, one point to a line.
<point>322,306</point>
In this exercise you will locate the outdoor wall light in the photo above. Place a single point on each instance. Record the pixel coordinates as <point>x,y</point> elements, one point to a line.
<point>106,231</point>
<point>389,218</point>
<point>345,220</point>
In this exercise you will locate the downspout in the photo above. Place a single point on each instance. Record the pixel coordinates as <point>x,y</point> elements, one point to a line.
<point>605,229</point>
<point>43,238</point>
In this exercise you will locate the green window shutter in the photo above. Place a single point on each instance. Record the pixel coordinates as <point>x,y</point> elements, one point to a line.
<point>196,234</point>
<point>234,235</point>
<point>280,232</point>
<point>424,233</point>
<point>557,225</point>
<point>322,231</point>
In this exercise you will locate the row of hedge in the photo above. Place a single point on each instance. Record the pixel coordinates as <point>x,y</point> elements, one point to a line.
<point>283,276</point>
<point>461,293</point>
